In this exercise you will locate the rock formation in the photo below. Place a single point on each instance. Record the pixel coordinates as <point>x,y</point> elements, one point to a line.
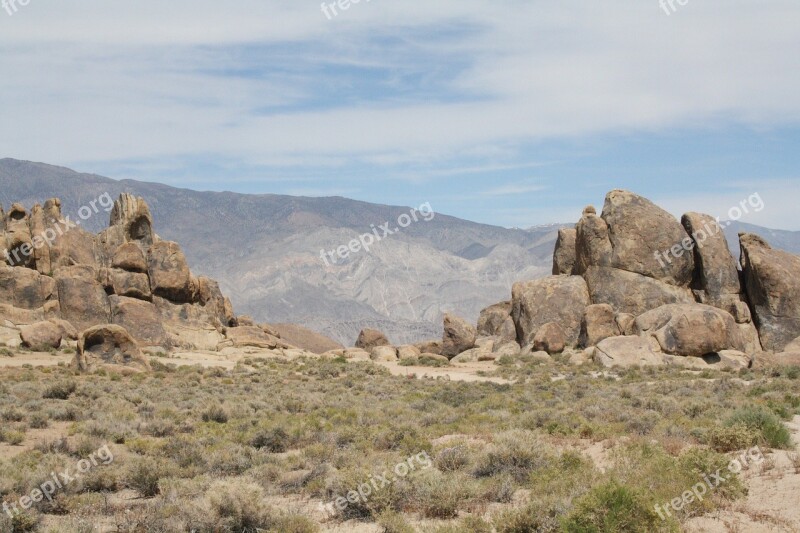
<point>635,286</point>
<point>59,280</point>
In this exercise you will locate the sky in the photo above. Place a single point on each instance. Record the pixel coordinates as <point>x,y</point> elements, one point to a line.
<point>514,113</point>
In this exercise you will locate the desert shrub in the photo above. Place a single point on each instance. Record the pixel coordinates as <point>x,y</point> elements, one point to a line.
<point>38,421</point>
<point>144,474</point>
<point>274,441</point>
<point>452,459</point>
<point>60,391</point>
<point>613,507</point>
<point>437,495</point>
<point>393,522</point>
<point>238,506</point>
<point>215,413</point>
<point>771,430</point>
<point>534,516</point>
<point>516,453</point>
<point>471,524</point>
<point>731,438</point>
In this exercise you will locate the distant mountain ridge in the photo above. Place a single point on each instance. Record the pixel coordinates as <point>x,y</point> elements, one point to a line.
<point>265,252</point>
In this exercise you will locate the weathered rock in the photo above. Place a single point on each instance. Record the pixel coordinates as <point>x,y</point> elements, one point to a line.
<point>371,338</point>
<point>565,253</point>
<point>626,352</point>
<point>139,318</point>
<point>692,330</point>
<point>11,316</point>
<point>559,299</point>
<point>25,288</point>
<point>18,238</point>
<point>715,268</point>
<point>41,336</point>
<point>766,360</point>
<point>509,348</point>
<point>170,277</point>
<point>470,356</point>
<point>247,320</point>
<point>108,345</point>
<point>386,354</point>
<point>435,357</point>
<point>625,322</point>
<point>41,248</point>
<point>486,343</point>
<point>549,338</point>
<point>592,243</point>
<point>131,284</point>
<point>83,300</point>
<point>459,336</point>
<point>628,292</point>
<point>430,347</point>
<point>771,281</point>
<point>408,352</point>
<point>129,257</point>
<point>132,216</point>
<point>639,232</point>
<point>727,359</point>
<point>253,336</point>
<point>496,320</point>
<point>68,331</point>
<point>598,323</point>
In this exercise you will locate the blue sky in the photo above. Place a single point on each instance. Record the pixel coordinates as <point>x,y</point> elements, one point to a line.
<point>511,113</point>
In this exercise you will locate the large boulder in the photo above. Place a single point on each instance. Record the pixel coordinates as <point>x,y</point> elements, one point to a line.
<point>565,252</point>
<point>83,300</point>
<point>108,345</point>
<point>41,336</point>
<point>25,288</point>
<point>716,274</point>
<point>459,336</point>
<point>384,354</point>
<point>370,338</point>
<point>771,281</point>
<point>692,330</point>
<point>640,233</point>
<point>559,299</point>
<point>18,238</point>
<point>599,322</point>
<point>496,320</point>
<point>170,277</point>
<point>141,319</point>
<point>434,347</point>
<point>131,284</point>
<point>626,352</point>
<point>629,292</point>
<point>129,257</point>
<point>550,338</point>
<point>592,242</point>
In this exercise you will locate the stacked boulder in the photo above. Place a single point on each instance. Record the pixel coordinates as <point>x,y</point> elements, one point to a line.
<point>59,280</point>
<point>635,286</point>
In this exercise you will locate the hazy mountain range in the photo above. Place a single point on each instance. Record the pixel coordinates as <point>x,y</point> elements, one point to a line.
<point>265,252</point>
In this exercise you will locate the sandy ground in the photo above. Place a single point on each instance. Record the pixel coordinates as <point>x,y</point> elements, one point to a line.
<point>773,502</point>
<point>467,372</point>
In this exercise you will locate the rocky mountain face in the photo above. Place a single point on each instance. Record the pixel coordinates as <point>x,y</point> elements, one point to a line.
<point>265,252</point>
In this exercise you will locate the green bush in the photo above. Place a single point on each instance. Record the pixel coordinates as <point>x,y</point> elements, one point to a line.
<point>613,507</point>
<point>770,428</point>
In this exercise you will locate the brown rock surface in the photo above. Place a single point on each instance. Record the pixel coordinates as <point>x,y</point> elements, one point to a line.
<point>559,299</point>
<point>565,254</point>
<point>108,344</point>
<point>771,281</point>
<point>459,336</point>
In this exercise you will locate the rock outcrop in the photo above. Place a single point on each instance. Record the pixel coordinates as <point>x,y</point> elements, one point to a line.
<point>371,338</point>
<point>459,336</point>
<point>126,276</point>
<point>772,282</point>
<point>108,345</point>
<point>558,299</point>
<point>565,253</point>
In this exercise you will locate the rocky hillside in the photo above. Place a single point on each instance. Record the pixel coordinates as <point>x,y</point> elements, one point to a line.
<point>265,252</point>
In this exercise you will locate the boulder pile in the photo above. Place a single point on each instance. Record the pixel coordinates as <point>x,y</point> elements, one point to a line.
<point>60,283</point>
<point>635,286</point>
